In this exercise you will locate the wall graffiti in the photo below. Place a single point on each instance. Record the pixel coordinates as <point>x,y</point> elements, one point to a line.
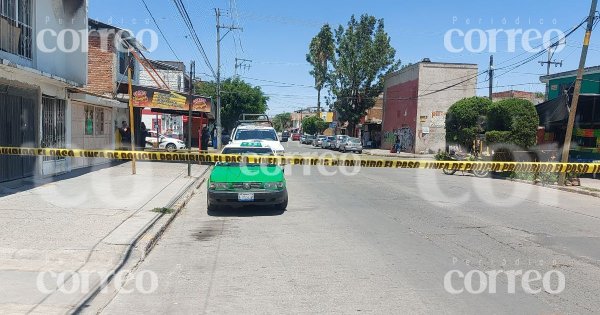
<point>405,135</point>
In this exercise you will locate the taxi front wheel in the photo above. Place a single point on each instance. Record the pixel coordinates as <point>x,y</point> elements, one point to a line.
<point>210,207</point>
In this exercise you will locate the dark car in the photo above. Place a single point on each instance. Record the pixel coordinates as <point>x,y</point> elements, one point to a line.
<point>285,136</point>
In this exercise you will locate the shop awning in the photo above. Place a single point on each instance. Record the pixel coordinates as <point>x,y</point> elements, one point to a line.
<point>167,101</point>
<point>557,110</point>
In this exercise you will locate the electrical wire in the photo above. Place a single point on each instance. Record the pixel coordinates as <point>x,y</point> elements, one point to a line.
<point>187,20</point>
<point>160,30</point>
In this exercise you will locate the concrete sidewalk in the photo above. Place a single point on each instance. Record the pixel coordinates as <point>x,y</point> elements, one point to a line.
<point>77,230</point>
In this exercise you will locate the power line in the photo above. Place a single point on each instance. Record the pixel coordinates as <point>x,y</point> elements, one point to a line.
<point>160,30</point>
<point>187,20</point>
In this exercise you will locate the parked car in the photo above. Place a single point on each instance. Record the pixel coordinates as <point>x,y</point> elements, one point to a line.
<point>285,136</point>
<point>318,140</point>
<point>351,145</point>
<point>295,137</point>
<point>308,139</point>
<point>338,140</point>
<point>302,139</point>
<point>326,144</point>
<point>167,143</point>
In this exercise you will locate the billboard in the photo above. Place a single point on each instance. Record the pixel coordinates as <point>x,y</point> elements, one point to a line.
<point>156,98</point>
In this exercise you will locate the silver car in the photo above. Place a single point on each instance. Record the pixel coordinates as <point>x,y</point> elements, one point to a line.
<point>327,142</point>
<point>351,145</point>
<point>338,141</point>
<point>318,141</point>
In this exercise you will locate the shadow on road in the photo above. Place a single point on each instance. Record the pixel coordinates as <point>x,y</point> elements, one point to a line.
<point>249,211</point>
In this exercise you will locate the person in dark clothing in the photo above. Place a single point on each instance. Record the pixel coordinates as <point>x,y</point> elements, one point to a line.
<point>205,137</point>
<point>143,135</point>
<point>125,133</point>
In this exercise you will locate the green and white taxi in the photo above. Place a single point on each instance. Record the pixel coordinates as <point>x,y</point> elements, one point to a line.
<point>233,184</point>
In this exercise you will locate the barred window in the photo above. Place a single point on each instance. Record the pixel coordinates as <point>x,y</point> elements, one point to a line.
<point>99,121</point>
<point>16,30</point>
<point>89,120</point>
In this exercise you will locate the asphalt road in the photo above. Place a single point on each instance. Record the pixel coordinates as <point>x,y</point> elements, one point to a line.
<point>379,241</point>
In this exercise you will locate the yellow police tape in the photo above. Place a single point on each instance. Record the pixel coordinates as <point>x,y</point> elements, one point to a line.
<point>342,160</point>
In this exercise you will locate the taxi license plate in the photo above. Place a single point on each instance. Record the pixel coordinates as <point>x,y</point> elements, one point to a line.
<point>245,197</point>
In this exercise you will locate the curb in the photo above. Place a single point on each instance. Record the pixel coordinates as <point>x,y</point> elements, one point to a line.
<point>179,204</point>
<point>179,201</point>
<point>394,155</point>
<point>566,189</point>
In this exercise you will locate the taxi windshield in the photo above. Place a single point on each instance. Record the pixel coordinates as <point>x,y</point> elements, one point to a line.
<point>260,134</point>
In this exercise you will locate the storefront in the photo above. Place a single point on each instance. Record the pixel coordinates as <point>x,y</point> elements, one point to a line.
<point>94,125</point>
<point>554,115</point>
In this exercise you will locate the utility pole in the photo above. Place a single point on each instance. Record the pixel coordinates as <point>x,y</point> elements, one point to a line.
<point>219,39</point>
<point>491,76</point>
<point>190,113</point>
<point>241,63</point>
<point>577,90</point>
<point>548,63</point>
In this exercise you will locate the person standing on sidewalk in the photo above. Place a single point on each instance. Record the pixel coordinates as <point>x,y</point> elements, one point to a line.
<point>125,133</point>
<point>205,136</point>
<point>213,136</point>
<point>143,135</point>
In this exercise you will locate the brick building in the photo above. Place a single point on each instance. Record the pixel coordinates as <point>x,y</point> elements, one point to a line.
<point>533,97</point>
<point>416,100</point>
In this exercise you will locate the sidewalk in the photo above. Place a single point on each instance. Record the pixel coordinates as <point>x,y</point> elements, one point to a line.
<point>401,155</point>
<point>81,224</point>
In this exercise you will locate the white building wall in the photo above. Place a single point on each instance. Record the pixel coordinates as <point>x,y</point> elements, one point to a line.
<point>68,20</point>
<point>432,109</point>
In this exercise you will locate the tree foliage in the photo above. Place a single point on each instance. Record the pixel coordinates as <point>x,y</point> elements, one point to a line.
<point>516,116</point>
<point>465,119</point>
<point>313,125</point>
<point>363,56</point>
<point>320,54</point>
<point>282,121</point>
<point>237,97</point>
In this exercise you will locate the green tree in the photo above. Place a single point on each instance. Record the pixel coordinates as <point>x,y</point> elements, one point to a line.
<point>517,119</point>
<point>237,97</point>
<point>465,119</point>
<point>364,55</point>
<point>282,121</point>
<point>313,125</point>
<point>320,53</point>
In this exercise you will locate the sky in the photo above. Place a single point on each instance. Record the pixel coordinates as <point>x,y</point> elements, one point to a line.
<point>276,34</point>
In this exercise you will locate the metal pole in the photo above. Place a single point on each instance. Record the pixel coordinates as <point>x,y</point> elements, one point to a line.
<point>190,119</point>
<point>131,122</point>
<point>218,111</point>
<point>491,74</point>
<point>577,90</point>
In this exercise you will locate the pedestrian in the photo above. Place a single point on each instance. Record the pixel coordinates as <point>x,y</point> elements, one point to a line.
<point>397,145</point>
<point>125,133</point>
<point>143,135</point>
<point>205,137</point>
<point>213,135</point>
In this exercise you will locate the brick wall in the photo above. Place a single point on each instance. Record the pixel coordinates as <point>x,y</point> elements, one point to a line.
<point>101,66</point>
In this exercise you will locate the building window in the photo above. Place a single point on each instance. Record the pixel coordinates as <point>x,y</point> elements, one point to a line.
<point>125,59</point>
<point>99,121</point>
<point>16,27</point>
<point>89,121</point>
<point>53,124</point>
